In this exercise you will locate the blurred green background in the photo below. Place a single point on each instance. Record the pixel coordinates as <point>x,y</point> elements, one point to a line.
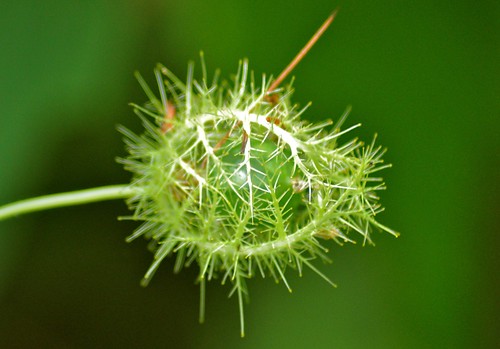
<point>422,74</point>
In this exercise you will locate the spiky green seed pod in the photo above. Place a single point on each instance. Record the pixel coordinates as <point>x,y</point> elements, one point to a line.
<point>241,185</point>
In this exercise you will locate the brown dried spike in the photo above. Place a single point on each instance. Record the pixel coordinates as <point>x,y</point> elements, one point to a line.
<point>298,57</point>
<point>169,115</point>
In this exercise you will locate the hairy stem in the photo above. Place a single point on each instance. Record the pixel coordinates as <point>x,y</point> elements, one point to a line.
<point>72,198</point>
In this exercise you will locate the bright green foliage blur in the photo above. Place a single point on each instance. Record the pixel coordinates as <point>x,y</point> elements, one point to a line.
<point>421,74</point>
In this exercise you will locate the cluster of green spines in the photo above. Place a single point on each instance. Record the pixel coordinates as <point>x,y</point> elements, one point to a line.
<point>240,185</point>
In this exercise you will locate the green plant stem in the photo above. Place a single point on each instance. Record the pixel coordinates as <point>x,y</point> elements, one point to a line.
<point>72,198</point>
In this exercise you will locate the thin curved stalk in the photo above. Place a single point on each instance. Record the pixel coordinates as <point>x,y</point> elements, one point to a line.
<point>72,198</point>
